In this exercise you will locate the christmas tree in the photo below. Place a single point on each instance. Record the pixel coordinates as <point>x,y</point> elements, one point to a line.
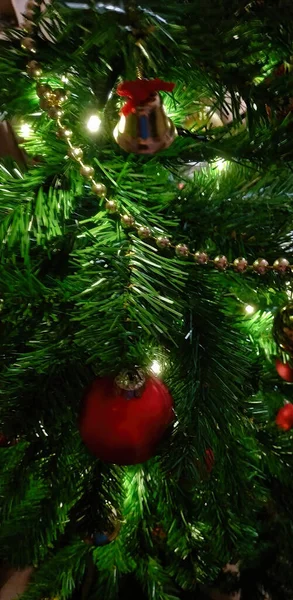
<point>146,337</point>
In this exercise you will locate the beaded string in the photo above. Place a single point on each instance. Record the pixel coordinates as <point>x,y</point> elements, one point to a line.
<point>51,101</point>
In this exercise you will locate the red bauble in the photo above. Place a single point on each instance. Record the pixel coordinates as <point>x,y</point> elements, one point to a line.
<point>3,441</point>
<point>284,370</point>
<point>209,459</point>
<point>284,418</point>
<point>125,430</point>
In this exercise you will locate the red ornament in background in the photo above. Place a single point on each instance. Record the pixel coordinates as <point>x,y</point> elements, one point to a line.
<point>123,419</point>
<point>209,459</point>
<point>284,370</point>
<point>284,418</point>
<point>6,442</point>
<point>3,441</point>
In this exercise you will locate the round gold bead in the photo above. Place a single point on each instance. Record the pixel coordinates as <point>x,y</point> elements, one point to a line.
<point>60,95</point>
<point>55,113</point>
<point>221,262</point>
<point>144,232</point>
<point>34,69</point>
<point>281,265</point>
<point>30,5</point>
<point>28,26</point>
<point>240,264</point>
<point>29,13</point>
<point>75,152</point>
<point>99,189</point>
<point>163,242</point>
<point>127,220</point>
<point>64,133</point>
<point>27,43</point>
<point>201,258</point>
<point>260,266</point>
<point>87,171</point>
<point>111,206</point>
<point>43,90</point>
<point>44,104</point>
<point>182,250</point>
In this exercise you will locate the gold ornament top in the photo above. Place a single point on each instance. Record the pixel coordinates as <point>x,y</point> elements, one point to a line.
<point>130,383</point>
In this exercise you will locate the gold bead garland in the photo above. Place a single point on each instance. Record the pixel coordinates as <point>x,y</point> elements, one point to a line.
<point>50,101</point>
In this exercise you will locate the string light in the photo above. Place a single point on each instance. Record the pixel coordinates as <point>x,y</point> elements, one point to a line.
<point>156,367</point>
<point>221,164</point>
<point>94,123</point>
<point>25,130</point>
<point>249,309</point>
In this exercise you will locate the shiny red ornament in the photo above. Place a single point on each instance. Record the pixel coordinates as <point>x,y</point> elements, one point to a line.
<point>125,428</point>
<point>284,370</point>
<point>284,418</point>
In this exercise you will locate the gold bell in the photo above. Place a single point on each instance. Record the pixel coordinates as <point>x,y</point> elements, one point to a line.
<point>146,129</point>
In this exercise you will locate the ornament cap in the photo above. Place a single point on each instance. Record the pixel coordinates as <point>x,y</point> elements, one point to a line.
<point>130,383</point>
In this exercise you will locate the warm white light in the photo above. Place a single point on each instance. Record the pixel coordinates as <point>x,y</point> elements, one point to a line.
<point>25,130</point>
<point>94,123</point>
<point>156,367</point>
<point>64,79</point>
<point>249,309</point>
<point>122,124</point>
<point>221,164</point>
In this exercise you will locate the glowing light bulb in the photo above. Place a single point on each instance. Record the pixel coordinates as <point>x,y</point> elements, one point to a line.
<point>156,367</point>
<point>249,309</point>
<point>64,79</point>
<point>94,123</point>
<point>221,164</point>
<point>25,130</point>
